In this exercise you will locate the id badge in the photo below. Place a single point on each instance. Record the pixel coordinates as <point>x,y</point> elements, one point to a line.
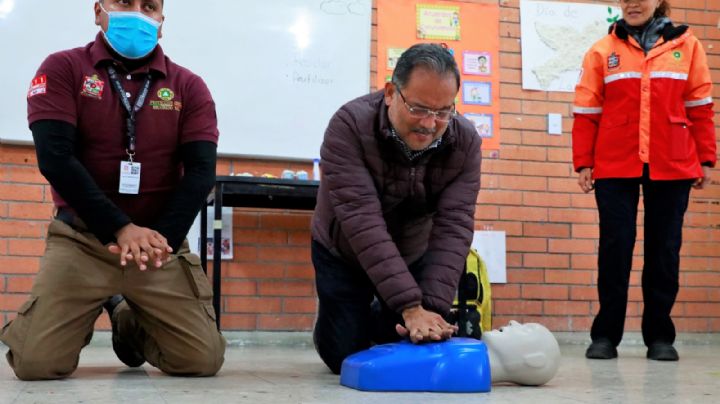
<point>129,177</point>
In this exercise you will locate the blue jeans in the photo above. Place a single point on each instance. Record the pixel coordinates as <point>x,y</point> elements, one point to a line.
<point>350,317</point>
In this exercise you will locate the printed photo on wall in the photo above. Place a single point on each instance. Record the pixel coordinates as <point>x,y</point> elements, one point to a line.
<point>477,93</point>
<point>477,63</point>
<point>438,22</point>
<point>483,124</point>
<point>393,54</point>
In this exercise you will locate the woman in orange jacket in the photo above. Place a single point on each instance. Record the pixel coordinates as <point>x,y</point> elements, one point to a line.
<point>643,119</point>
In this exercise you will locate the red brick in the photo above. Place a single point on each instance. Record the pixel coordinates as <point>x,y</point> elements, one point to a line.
<point>583,261</point>
<point>510,228</point>
<point>500,167</point>
<point>526,244</point>
<point>26,247</point>
<point>583,293</point>
<point>252,270</point>
<point>702,309</point>
<point>540,138</point>
<point>524,276</point>
<point>17,192</point>
<point>245,219</point>
<point>299,238</point>
<point>289,221</point>
<point>586,201</point>
<point>21,174</point>
<point>529,214</point>
<point>12,301</point>
<point>260,237</point>
<point>545,107</point>
<point>569,276</point>
<point>238,322</point>
<point>299,305</point>
<point>571,246</point>
<point>546,292</point>
<point>22,155</point>
<point>561,155</point>
<point>285,288</point>
<point>252,305</point>
<point>245,253</point>
<point>555,308</point>
<point>300,271</point>
<point>566,215</point>
<point>508,182</point>
<point>528,153</point>
<point>286,322</point>
<point>19,265</point>
<point>498,197</point>
<point>284,254</point>
<point>19,284</point>
<point>517,307</point>
<point>482,212</point>
<point>568,185</point>
<point>545,199</point>
<point>2,284</point>
<point>545,230</point>
<point>532,260</point>
<point>504,291</point>
<point>241,288</point>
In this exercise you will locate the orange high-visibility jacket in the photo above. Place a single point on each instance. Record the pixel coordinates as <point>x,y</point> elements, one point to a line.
<point>632,109</point>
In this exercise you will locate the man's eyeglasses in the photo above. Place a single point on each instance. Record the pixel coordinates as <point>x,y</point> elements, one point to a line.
<point>443,115</point>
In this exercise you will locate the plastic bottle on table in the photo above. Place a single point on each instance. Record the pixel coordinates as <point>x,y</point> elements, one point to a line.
<point>316,169</point>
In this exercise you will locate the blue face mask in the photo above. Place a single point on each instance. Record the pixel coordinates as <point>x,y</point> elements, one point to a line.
<point>131,34</point>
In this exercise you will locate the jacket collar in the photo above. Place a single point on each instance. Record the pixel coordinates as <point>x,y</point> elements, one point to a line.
<point>669,31</point>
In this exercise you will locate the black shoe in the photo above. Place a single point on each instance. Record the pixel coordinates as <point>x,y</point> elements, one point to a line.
<point>122,339</point>
<point>601,348</point>
<point>662,351</point>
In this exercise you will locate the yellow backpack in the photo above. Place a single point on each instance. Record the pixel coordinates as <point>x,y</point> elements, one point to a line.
<point>474,316</point>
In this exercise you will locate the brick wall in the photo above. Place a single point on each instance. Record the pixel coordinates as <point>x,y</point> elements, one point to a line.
<point>529,191</point>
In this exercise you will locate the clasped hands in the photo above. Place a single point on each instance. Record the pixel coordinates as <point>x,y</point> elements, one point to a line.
<point>142,245</point>
<point>424,326</point>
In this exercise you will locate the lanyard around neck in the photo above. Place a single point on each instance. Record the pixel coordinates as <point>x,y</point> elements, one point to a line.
<point>130,109</point>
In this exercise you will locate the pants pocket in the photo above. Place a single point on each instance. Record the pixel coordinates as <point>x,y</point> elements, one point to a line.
<point>15,333</point>
<point>196,276</point>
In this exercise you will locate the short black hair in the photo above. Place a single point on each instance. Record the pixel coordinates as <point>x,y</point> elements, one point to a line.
<point>431,56</point>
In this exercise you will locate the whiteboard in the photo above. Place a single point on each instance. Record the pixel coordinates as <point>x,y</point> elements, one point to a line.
<point>278,69</point>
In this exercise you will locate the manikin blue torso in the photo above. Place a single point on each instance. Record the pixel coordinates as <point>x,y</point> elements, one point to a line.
<point>456,365</point>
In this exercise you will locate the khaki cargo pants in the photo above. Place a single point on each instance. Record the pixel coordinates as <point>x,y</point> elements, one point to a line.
<point>172,305</point>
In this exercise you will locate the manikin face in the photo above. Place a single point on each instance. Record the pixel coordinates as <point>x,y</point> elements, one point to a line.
<point>425,89</point>
<point>638,12</point>
<point>529,352</point>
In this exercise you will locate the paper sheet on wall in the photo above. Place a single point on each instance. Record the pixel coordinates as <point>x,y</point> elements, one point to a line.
<point>227,237</point>
<point>491,247</point>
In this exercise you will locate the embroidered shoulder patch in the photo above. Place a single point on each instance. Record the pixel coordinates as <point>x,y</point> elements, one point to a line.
<point>613,61</point>
<point>38,86</point>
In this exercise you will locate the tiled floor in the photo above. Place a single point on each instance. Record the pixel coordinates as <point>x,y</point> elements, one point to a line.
<point>283,368</point>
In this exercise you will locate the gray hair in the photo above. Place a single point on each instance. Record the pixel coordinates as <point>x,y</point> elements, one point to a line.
<point>430,56</point>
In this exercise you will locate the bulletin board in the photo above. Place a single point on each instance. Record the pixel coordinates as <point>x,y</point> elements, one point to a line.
<point>470,31</point>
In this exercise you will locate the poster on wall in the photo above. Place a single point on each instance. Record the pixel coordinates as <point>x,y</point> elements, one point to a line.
<point>477,63</point>
<point>554,39</point>
<point>393,54</point>
<point>476,48</point>
<point>483,124</point>
<point>438,22</point>
<point>477,92</point>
